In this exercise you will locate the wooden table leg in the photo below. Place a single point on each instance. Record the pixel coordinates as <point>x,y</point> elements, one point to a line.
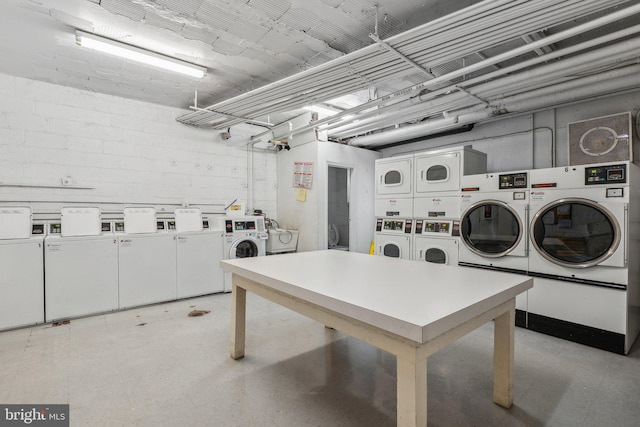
<point>412,392</point>
<point>238,319</point>
<point>503,352</point>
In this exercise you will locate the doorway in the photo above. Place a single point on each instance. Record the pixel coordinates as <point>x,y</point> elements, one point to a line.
<point>338,206</point>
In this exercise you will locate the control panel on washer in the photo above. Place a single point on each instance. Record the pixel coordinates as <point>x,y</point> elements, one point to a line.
<point>612,174</point>
<point>247,225</point>
<point>437,228</point>
<point>512,181</point>
<point>388,225</point>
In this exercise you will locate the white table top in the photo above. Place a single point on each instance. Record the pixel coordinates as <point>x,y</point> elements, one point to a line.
<point>415,300</point>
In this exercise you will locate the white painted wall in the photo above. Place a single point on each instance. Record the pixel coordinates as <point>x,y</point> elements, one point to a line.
<point>125,151</point>
<point>311,216</point>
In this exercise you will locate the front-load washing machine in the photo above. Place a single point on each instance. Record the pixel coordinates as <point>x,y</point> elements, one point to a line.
<point>146,259</point>
<point>493,222</point>
<point>81,265</point>
<point>198,253</point>
<point>21,267</point>
<point>245,237</point>
<point>584,244</point>
<point>436,241</point>
<point>393,237</point>
<point>394,187</point>
<point>493,226</point>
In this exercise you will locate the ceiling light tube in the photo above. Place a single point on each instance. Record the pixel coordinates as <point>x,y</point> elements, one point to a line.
<point>133,53</point>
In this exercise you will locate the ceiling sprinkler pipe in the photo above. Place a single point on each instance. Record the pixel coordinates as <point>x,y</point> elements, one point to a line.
<point>425,128</point>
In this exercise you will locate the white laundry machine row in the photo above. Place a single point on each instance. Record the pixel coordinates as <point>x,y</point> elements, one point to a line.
<point>583,253</point>
<point>494,225</point>
<point>21,267</point>
<point>198,251</point>
<point>394,238</point>
<point>244,237</point>
<point>81,265</point>
<point>146,259</point>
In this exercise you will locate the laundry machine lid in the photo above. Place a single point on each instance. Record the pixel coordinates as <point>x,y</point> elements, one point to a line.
<point>491,228</point>
<point>575,232</point>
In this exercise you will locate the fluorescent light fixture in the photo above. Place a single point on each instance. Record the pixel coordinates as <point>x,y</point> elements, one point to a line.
<point>133,53</point>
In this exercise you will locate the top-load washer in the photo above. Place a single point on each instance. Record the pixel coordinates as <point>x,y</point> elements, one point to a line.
<point>81,264</point>
<point>583,246</point>
<point>245,237</point>
<point>21,264</point>
<point>493,222</point>
<point>394,187</point>
<point>146,259</point>
<point>198,253</point>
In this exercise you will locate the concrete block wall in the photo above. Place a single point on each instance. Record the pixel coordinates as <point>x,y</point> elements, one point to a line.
<point>112,149</point>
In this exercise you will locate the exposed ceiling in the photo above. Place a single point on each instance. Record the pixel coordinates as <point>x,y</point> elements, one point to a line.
<point>392,70</point>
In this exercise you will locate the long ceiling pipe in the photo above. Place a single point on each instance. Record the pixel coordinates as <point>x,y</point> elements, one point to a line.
<point>492,75</point>
<point>490,61</point>
<point>553,74</point>
<point>613,81</point>
<point>281,82</point>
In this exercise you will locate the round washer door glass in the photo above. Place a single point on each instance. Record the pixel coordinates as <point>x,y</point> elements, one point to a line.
<point>391,250</point>
<point>246,249</point>
<point>575,233</point>
<point>490,228</point>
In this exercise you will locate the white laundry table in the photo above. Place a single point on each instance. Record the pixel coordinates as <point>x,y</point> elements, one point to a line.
<point>410,309</point>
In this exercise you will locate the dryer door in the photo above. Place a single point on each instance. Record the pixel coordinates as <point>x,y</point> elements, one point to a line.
<point>244,248</point>
<point>436,250</point>
<point>393,246</point>
<point>575,233</point>
<point>493,229</point>
<point>437,173</point>
<point>393,177</point>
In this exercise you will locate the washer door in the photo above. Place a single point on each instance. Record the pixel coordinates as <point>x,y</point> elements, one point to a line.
<point>575,233</point>
<point>491,228</point>
<point>244,248</point>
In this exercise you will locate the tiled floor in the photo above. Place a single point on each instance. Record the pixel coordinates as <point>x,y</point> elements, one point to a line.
<point>155,366</point>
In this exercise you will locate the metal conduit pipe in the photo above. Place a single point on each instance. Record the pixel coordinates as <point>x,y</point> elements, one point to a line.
<point>260,112</point>
<point>623,33</point>
<point>576,65</point>
<point>565,69</point>
<point>373,49</point>
<point>281,81</point>
<point>523,19</point>
<point>565,34</point>
<point>556,95</point>
<point>498,30</point>
<point>579,89</point>
<point>502,71</point>
<point>401,114</point>
<point>539,59</point>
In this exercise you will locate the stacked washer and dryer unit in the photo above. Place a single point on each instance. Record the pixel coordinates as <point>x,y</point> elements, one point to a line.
<point>394,207</point>
<point>436,206</point>
<point>418,203</point>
